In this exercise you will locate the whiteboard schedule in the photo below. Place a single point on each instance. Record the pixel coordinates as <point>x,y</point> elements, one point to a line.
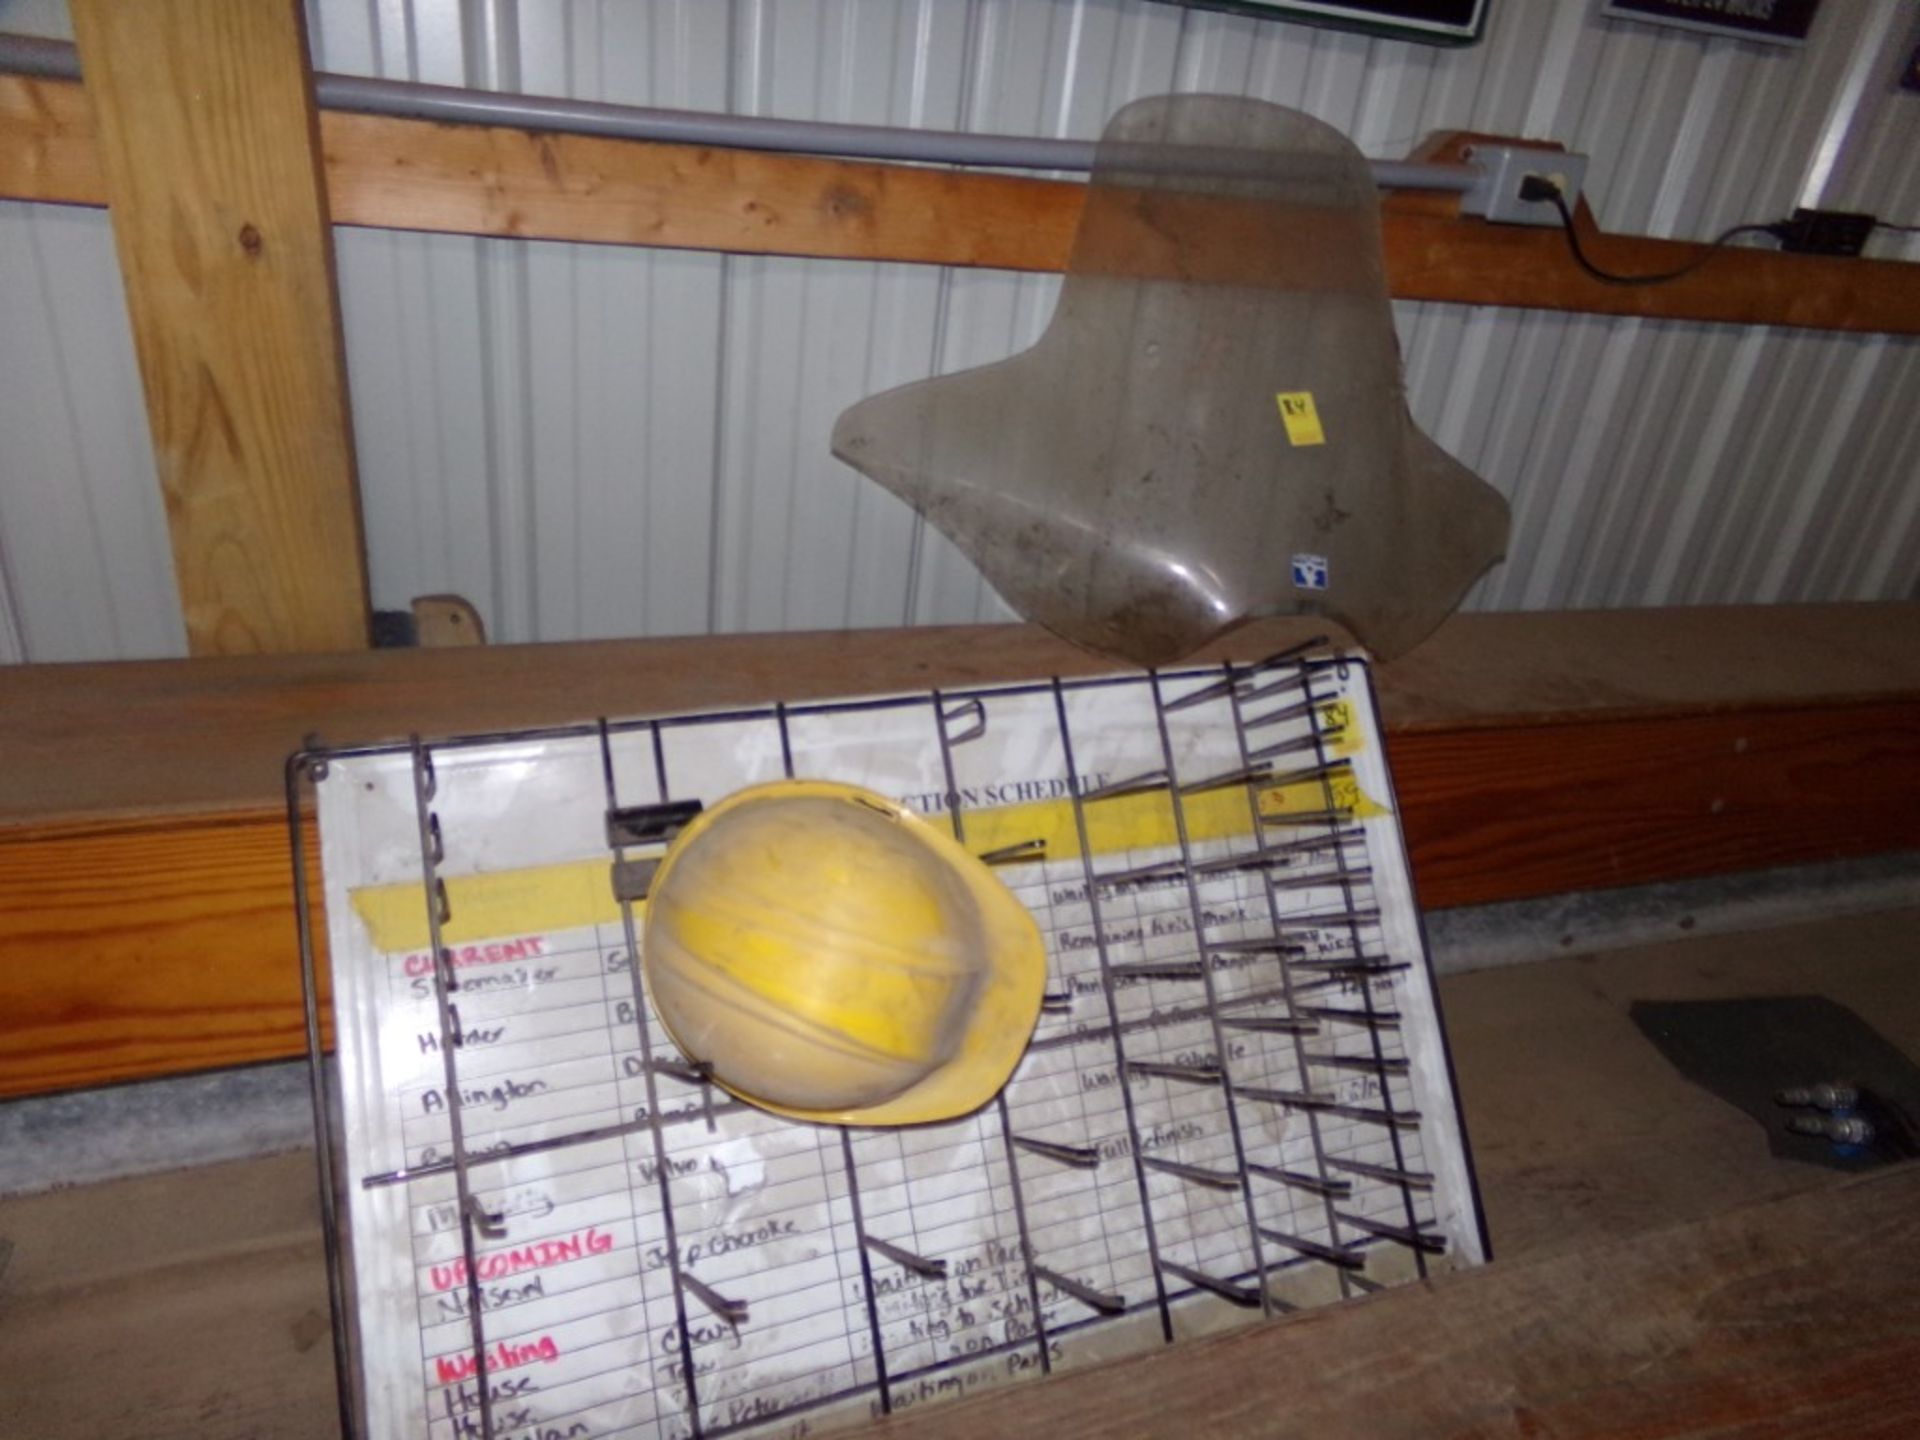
<point>544,1221</point>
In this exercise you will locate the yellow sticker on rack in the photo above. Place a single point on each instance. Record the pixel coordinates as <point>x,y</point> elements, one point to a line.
<point>1336,726</point>
<point>1302,419</point>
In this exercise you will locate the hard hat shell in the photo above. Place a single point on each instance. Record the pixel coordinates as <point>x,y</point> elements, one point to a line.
<point>835,958</point>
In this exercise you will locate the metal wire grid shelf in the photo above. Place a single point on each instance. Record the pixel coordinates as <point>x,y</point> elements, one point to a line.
<point>1233,991</point>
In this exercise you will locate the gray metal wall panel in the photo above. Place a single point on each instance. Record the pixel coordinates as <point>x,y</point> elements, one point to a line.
<point>601,441</point>
<point>84,557</point>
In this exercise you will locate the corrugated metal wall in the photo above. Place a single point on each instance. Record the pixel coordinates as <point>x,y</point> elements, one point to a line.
<point>590,441</point>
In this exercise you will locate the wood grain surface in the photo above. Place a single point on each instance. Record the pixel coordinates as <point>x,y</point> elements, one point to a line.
<point>146,922</point>
<point>204,127</point>
<point>201,1293</point>
<point>147,948</point>
<point>1517,811</point>
<point>488,180</point>
<point>145,737</point>
<point>1796,1318</point>
<point>48,148</point>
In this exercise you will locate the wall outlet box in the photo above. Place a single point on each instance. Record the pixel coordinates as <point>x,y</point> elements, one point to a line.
<point>1496,194</point>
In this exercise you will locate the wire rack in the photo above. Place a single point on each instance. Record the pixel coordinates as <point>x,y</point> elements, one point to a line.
<point>1237,1101</point>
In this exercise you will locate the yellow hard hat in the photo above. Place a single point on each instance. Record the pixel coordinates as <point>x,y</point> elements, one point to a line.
<point>834,958</point>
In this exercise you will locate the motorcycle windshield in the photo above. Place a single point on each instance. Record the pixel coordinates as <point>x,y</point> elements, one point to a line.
<point>1214,424</point>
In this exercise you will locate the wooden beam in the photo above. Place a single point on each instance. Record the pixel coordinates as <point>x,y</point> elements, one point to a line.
<point>154,947</point>
<point>146,921</point>
<point>150,946</point>
<point>1794,1318</point>
<point>205,141</point>
<point>231,722</point>
<point>47,147</point>
<point>488,180</point>
<point>1515,812</point>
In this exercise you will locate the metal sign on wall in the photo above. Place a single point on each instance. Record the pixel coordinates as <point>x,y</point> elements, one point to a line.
<point>1430,22</point>
<point>1779,22</point>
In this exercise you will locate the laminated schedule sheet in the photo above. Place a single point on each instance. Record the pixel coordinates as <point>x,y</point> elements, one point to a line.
<point>1237,1102</point>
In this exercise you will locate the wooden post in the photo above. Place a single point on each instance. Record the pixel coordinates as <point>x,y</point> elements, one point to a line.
<point>207,139</point>
<point>398,174</point>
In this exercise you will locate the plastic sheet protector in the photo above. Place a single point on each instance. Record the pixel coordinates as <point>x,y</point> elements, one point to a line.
<point>546,1223</point>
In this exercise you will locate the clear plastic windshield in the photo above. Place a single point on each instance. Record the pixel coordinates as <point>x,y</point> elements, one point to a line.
<point>1213,425</point>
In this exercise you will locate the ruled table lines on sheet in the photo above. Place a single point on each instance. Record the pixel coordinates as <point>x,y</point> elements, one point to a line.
<point>1236,1102</point>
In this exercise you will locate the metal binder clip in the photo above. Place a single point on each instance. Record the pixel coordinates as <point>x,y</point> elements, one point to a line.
<point>1292,1099</point>
<point>1298,1180</point>
<point>1094,1299</point>
<point>1272,1025</point>
<point>1163,870</point>
<point>1294,746</point>
<point>1373,1019</point>
<point>1198,1174</point>
<point>690,1072</point>
<point>1300,819</point>
<point>905,1259</point>
<point>1298,710</point>
<point>1157,970</point>
<point>1358,876</point>
<point>1191,1074</point>
<point>1218,690</point>
<point>1079,1156</point>
<point>1019,851</point>
<point>1424,1241</point>
<point>734,1312</point>
<point>1245,775</point>
<point>1406,1179</point>
<point>1372,1064</point>
<point>1258,946</point>
<point>1332,1254</point>
<point>964,722</point>
<point>1297,655</point>
<point>1327,919</point>
<point>490,1223</point>
<point>632,879</point>
<point>649,824</point>
<point>1242,1295</point>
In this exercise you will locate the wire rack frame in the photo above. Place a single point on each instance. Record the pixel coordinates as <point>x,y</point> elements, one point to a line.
<point>1255,702</point>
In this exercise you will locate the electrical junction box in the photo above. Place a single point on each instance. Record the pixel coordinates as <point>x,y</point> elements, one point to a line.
<point>1496,194</point>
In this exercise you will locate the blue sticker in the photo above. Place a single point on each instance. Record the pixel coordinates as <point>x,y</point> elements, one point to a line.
<point>1309,572</point>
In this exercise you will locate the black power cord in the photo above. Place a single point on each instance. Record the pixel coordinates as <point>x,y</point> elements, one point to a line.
<point>1538,187</point>
<point>1806,232</point>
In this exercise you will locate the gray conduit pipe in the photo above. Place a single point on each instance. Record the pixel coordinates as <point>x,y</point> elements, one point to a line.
<point>58,60</point>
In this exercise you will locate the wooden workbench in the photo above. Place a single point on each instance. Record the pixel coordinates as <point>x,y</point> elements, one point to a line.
<point>146,920</point>
<point>1657,1272</point>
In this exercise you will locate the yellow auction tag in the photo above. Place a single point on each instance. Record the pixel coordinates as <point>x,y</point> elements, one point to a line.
<point>1336,725</point>
<point>1302,419</point>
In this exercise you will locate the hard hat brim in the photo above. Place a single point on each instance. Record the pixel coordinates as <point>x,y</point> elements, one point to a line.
<point>1008,1005</point>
